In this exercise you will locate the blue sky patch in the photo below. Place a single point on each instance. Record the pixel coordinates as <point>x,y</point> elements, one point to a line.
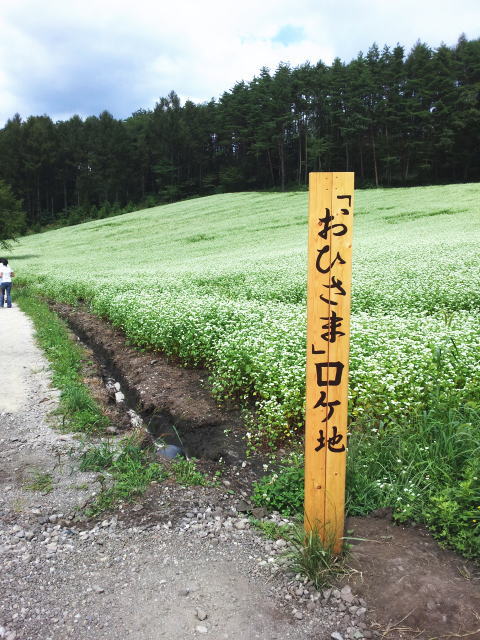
<point>289,35</point>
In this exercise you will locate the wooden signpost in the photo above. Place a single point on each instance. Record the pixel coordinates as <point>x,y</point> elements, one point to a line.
<point>328,336</point>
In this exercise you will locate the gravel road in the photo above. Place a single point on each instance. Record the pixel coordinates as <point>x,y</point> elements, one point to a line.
<point>178,564</point>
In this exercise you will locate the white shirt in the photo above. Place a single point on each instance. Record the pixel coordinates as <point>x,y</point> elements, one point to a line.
<point>5,273</point>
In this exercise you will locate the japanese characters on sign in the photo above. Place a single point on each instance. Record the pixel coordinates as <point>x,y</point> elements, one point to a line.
<point>328,334</point>
<point>329,373</point>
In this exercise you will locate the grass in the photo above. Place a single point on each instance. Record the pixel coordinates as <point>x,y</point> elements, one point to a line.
<point>127,469</point>
<point>130,470</point>
<point>84,486</point>
<point>98,458</point>
<point>403,466</point>
<point>314,558</point>
<point>306,553</point>
<point>40,481</point>
<point>427,471</point>
<point>77,407</point>
<point>185,472</point>
<point>271,529</point>
<point>282,491</point>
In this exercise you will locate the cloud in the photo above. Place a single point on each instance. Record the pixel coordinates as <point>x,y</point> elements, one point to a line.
<point>79,56</point>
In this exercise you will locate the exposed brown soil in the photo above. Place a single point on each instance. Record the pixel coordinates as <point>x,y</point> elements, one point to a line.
<point>162,391</point>
<point>415,588</point>
<point>412,584</point>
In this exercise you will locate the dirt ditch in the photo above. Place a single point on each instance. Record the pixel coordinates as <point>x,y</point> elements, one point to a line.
<point>415,588</point>
<point>173,401</point>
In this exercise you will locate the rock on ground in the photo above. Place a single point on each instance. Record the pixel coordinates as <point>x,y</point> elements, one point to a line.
<point>202,572</point>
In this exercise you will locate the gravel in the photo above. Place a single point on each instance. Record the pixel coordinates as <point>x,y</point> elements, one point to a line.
<point>177,564</point>
<point>67,581</point>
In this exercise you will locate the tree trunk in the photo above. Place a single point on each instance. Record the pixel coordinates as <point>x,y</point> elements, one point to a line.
<point>306,156</point>
<point>389,167</point>
<point>38,204</point>
<point>375,161</point>
<point>299,178</point>
<point>271,167</point>
<point>281,153</point>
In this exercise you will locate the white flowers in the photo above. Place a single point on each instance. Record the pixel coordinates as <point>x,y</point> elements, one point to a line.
<point>235,301</point>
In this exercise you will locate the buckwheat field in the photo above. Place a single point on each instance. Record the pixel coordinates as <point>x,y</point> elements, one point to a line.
<point>221,282</point>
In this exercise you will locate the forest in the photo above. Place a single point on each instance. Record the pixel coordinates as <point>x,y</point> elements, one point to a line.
<point>395,118</point>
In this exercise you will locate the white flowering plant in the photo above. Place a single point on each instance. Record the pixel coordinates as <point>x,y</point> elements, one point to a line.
<point>221,282</point>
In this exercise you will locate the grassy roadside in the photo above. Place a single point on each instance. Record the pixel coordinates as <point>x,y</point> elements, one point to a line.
<point>126,468</point>
<point>132,470</point>
<point>124,471</point>
<point>129,468</point>
<point>427,470</point>
<point>79,410</point>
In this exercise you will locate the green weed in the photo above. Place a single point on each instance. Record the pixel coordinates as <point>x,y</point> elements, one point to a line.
<point>40,481</point>
<point>77,398</point>
<point>453,512</point>
<point>185,472</point>
<point>97,458</point>
<point>79,410</point>
<point>130,470</point>
<point>283,490</point>
<point>307,553</point>
<point>271,529</point>
<point>314,558</point>
<point>426,471</point>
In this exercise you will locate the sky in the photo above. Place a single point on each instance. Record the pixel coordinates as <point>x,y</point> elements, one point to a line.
<point>65,57</point>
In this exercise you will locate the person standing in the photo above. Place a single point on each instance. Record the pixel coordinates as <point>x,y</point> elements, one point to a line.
<point>6,275</point>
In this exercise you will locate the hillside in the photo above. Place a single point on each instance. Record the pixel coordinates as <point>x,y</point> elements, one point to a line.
<point>221,280</point>
<point>216,238</point>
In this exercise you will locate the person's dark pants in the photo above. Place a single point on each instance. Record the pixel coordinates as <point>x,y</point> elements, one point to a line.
<point>5,288</point>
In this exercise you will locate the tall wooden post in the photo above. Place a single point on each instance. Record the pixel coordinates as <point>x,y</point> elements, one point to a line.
<point>328,336</point>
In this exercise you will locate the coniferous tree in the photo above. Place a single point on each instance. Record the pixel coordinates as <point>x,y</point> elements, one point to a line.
<point>12,217</point>
<point>394,119</point>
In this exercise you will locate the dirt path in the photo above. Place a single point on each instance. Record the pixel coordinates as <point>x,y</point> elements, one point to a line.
<point>178,564</point>
<point>17,354</point>
<point>183,563</point>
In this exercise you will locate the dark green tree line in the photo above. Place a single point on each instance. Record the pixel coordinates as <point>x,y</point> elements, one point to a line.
<point>12,218</point>
<point>393,118</point>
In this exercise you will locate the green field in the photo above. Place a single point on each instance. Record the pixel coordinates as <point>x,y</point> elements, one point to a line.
<point>220,281</point>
